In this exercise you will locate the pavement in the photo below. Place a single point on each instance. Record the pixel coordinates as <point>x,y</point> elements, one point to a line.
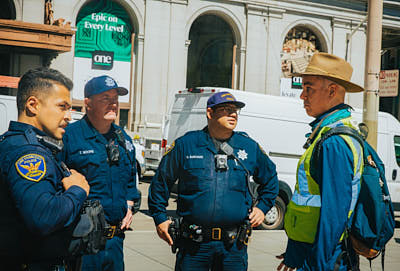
<point>145,251</point>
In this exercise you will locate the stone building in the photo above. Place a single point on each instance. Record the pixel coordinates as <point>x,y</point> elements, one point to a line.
<point>157,47</point>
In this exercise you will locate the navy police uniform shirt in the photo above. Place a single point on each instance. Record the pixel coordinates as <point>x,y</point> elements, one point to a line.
<point>33,202</point>
<point>111,183</point>
<point>207,196</point>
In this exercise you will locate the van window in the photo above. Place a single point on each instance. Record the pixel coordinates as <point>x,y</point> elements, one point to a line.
<point>397,148</point>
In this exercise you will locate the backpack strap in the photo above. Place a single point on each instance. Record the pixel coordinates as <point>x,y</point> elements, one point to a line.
<point>338,130</point>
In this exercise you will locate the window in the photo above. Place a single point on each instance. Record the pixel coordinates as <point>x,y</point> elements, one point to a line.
<point>397,149</point>
<point>123,118</point>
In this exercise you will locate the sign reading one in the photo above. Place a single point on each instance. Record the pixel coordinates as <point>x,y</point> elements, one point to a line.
<point>297,82</point>
<point>388,83</point>
<point>102,60</point>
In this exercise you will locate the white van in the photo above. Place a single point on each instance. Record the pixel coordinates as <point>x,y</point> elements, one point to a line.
<point>8,111</point>
<point>279,125</point>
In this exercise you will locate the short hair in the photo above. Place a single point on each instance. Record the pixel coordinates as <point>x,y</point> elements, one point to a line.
<point>37,82</point>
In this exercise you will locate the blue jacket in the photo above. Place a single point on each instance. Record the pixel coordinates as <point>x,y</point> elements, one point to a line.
<point>205,196</point>
<point>112,184</point>
<point>335,177</point>
<point>33,203</point>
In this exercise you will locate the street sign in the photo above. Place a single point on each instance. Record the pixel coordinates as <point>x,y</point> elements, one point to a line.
<point>388,83</point>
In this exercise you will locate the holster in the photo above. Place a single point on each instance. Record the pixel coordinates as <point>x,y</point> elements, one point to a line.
<point>174,230</point>
<point>88,236</point>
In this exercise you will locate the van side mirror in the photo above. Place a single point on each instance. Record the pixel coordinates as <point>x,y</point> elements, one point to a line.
<point>394,174</point>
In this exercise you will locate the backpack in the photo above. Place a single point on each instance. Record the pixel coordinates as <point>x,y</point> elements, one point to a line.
<point>373,221</point>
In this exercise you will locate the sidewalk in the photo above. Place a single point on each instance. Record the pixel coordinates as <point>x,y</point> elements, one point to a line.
<point>144,251</point>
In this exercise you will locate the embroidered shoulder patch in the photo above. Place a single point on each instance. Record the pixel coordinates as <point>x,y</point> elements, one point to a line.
<point>170,148</point>
<point>31,166</point>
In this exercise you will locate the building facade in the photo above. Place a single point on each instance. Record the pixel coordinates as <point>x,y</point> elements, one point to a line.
<point>169,45</point>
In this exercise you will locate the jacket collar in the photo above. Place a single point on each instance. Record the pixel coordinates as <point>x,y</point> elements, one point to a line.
<point>344,111</point>
<point>17,126</point>
<point>89,131</point>
<point>206,140</point>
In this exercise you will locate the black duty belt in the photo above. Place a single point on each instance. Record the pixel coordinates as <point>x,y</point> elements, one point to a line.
<point>204,234</point>
<point>113,230</point>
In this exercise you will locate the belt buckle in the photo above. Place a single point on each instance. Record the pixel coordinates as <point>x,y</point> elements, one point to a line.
<point>110,232</point>
<point>216,234</point>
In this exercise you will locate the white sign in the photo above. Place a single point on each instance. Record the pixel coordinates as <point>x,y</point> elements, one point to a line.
<point>388,83</point>
<point>83,73</point>
<point>287,90</point>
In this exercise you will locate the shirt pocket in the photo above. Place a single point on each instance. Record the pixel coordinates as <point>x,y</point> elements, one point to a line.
<point>237,178</point>
<point>89,165</point>
<point>196,175</point>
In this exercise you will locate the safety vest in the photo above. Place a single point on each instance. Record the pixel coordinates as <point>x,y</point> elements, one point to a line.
<point>303,211</point>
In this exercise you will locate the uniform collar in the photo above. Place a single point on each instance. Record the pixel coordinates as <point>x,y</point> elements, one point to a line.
<point>206,140</point>
<point>17,126</point>
<point>89,131</point>
<point>344,111</point>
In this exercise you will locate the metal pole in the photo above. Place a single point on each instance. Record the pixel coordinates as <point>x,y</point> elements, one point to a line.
<point>372,69</point>
<point>233,66</point>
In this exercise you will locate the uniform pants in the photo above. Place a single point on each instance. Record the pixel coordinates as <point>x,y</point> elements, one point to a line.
<point>110,259</point>
<point>213,255</point>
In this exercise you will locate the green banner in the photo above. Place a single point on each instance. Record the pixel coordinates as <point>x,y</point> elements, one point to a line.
<point>103,26</point>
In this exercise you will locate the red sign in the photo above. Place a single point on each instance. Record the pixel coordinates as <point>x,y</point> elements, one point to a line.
<point>388,83</point>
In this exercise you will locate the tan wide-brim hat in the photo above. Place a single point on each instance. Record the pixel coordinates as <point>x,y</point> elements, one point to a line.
<point>332,67</point>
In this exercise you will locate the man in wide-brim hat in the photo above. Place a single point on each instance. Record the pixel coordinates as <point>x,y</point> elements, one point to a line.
<point>326,190</point>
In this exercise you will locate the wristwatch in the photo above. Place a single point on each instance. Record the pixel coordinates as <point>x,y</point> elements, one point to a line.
<point>130,207</point>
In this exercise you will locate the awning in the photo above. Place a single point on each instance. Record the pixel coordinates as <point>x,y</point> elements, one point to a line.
<point>51,38</point>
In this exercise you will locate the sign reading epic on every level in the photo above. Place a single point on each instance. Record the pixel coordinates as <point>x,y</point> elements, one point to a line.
<point>101,17</point>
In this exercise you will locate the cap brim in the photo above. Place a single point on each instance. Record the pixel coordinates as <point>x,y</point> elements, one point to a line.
<point>237,103</point>
<point>349,86</point>
<point>121,91</point>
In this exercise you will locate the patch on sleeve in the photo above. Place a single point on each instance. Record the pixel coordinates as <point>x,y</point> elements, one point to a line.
<point>170,148</point>
<point>31,166</point>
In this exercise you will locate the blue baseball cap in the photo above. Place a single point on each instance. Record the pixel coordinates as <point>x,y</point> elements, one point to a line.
<point>223,97</point>
<point>99,84</point>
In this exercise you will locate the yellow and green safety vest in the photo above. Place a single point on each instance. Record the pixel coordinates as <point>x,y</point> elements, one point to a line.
<point>303,211</point>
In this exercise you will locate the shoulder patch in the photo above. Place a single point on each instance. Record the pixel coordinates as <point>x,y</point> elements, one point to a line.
<point>31,166</point>
<point>170,148</point>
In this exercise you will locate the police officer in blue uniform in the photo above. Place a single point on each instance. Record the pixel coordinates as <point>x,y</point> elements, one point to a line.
<point>39,198</point>
<point>214,200</point>
<point>105,155</point>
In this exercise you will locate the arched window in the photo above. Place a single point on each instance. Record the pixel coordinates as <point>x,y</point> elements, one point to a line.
<point>299,45</point>
<point>210,53</point>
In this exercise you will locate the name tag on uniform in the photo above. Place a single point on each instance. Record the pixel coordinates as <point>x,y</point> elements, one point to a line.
<point>194,157</point>
<point>86,152</point>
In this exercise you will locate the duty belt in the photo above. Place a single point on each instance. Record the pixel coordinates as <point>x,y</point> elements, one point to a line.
<point>113,230</point>
<point>204,234</point>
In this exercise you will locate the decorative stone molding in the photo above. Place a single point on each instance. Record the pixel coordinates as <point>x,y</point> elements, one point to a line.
<point>346,24</point>
<point>32,35</point>
<point>264,11</point>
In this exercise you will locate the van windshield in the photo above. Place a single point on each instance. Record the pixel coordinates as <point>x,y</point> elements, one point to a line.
<point>397,149</point>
